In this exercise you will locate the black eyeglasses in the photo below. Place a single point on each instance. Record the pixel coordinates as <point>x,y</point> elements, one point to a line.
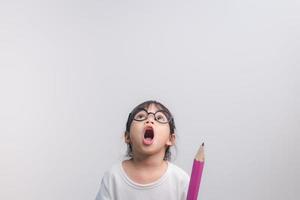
<point>159,116</point>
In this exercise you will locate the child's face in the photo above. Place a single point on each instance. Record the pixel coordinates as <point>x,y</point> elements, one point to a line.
<point>150,137</point>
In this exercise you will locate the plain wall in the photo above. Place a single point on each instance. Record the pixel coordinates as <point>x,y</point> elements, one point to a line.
<point>71,71</point>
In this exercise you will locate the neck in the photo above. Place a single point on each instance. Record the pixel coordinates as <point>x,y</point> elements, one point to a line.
<point>149,162</point>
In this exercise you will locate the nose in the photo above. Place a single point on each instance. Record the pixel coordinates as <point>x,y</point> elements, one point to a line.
<point>150,119</point>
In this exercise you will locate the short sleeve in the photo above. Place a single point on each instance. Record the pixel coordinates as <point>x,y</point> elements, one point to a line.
<point>103,193</point>
<point>185,191</point>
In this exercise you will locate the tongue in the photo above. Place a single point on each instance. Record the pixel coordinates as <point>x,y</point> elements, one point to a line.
<point>148,141</point>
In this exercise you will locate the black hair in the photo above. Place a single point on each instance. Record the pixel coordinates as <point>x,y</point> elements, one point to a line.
<point>145,105</point>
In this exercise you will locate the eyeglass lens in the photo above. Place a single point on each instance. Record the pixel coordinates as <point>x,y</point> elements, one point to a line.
<point>158,116</point>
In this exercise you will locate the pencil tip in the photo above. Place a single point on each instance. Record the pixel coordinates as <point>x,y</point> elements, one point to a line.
<point>200,154</point>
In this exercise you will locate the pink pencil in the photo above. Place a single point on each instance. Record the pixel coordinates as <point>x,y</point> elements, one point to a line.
<point>196,174</point>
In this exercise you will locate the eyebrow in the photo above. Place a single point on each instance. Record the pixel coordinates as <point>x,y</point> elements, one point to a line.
<point>157,110</point>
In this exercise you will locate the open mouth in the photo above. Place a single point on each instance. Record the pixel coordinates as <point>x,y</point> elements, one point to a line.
<point>148,135</point>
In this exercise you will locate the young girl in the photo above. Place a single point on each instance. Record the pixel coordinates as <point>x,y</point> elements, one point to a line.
<point>148,174</point>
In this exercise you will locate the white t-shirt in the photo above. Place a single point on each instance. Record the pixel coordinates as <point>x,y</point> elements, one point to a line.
<point>116,185</point>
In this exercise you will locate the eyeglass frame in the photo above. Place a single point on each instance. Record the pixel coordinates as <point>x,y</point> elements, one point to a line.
<point>169,119</point>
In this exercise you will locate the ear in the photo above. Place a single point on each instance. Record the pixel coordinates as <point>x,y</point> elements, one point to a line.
<point>171,140</point>
<point>126,137</point>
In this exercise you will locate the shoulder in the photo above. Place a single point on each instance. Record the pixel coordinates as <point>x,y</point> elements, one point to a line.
<point>112,173</point>
<point>179,179</point>
<point>176,171</point>
<point>108,179</point>
<point>114,169</point>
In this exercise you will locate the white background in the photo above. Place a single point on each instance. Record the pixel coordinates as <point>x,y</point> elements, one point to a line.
<point>71,71</point>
